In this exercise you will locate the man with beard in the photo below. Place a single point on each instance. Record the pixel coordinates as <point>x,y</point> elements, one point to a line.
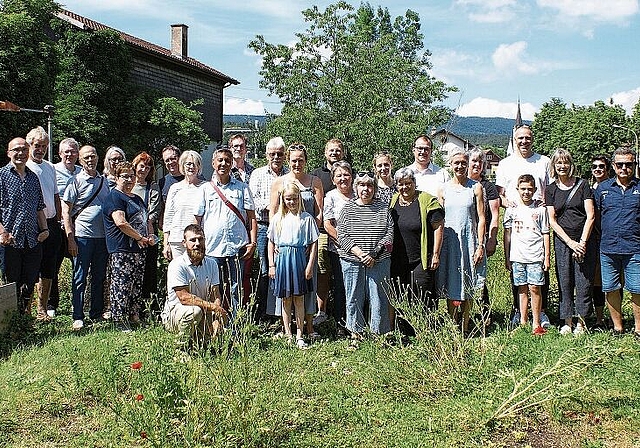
<point>193,308</point>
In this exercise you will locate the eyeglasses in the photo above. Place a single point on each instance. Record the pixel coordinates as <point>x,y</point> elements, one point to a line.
<point>241,145</point>
<point>365,174</point>
<point>598,166</point>
<point>276,154</point>
<point>621,165</point>
<point>422,148</point>
<point>170,159</point>
<point>116,159</point>
<point>297,147</point>
<point>126,176</point>
<point>20,149</point>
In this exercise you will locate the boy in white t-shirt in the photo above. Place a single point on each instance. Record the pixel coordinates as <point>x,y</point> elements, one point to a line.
<point>527,249</point>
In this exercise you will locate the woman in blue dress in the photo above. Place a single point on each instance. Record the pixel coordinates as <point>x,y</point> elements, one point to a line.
<point>294,233</point>
<point>462,270</point>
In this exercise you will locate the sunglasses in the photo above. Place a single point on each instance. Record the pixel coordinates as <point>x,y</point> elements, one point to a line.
<point>276,154</point>
<point>365,174</point>
<point>598,166</point>
<point>621,165</point>
<point>297,147</point>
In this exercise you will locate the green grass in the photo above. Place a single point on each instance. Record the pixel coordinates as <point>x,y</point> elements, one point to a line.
<point>509,389</point>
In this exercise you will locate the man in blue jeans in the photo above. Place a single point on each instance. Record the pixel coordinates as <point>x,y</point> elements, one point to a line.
<point>82,214</point>
<point>618,204</point>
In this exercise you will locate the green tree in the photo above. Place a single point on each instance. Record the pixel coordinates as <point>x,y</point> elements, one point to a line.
<point>356,75</point>
<point>583,130</point>
<point>28,63</point>
<point>93,93</point>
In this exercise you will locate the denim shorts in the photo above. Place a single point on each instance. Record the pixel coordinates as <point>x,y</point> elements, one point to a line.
<point>527,273</point>
<point>612,265</point>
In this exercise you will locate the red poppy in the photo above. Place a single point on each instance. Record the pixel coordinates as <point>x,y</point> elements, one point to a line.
<point>139,397</point>
<point>143,434</point>
<point>136,365</point>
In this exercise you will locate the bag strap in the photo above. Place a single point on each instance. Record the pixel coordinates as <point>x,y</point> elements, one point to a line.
<point>88,203</point>
<point>228,203</point>
<point>572,193</point>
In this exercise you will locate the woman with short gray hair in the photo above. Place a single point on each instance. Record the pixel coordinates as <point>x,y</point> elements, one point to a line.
<point>365,235</point>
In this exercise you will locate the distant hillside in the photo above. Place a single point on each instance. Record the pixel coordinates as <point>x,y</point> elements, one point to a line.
<point>478,130</point>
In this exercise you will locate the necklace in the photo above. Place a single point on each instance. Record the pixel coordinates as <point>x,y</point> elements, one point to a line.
<point>404,203</point>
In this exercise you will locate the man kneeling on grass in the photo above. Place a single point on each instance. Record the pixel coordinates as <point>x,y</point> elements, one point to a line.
<point>193,308</point>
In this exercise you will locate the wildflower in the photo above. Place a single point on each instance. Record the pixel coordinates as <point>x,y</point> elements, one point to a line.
<point>143,434</point>
<point>139,397</point>
<point>136,365</point>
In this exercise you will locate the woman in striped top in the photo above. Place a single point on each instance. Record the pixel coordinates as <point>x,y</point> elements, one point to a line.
<point>365,235</point>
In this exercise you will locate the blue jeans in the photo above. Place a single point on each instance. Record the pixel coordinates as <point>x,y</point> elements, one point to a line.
<point>230,283</point>
<point>362,284</point>
<point>92,255</point>
<point>265,288</point>
<point>339,307</point>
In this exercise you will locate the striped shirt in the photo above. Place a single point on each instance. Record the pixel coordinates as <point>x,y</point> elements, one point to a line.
<point>366,226</point>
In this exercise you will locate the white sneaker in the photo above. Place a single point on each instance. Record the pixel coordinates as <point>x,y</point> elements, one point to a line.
<point>51,313</point>
<point>515,320</point>
<point>565,330</point>
<point>301,344</point>
<point>77,325</point>
<point>319,318</point>
<point>579,330</point>
<point>544,320</point>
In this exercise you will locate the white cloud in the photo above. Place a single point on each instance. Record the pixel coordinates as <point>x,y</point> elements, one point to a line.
<point>487,107</point>
<point>242,106</point>
<point>627,99</point>
<point>489,11</point>
<point>596,10</point>
<point>509,58</point>
<point>448,64</point>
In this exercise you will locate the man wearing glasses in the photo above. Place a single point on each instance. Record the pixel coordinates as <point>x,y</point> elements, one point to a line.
<point>260,185</point>
<point>429,176</point>
<point>23,224</point>
<point>170,156</point>
<point>618,205</point>
<point>241,169</point>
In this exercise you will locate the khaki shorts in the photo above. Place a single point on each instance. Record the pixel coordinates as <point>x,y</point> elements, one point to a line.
<point>324,262</point>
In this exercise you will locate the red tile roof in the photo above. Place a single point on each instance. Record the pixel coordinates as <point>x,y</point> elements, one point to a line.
<point>85,23</point>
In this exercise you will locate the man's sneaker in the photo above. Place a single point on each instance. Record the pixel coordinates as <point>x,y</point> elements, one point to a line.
<point>544,320</point>
<point>319,318</point>
<point>301,344</point>
<point>565,330</point>
<point>579,330</point>
<point>515,320</point>
<point>539,331</point>
<point>77,325</point>
<point>51,313</point>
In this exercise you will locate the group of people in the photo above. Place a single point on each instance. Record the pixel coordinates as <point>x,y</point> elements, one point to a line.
<point>359,237</point>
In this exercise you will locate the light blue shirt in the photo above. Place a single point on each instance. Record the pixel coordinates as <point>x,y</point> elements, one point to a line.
<point>89,223</point>
<point>225,233</point>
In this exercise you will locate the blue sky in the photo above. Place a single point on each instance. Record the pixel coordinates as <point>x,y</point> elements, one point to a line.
<point>494,51</point>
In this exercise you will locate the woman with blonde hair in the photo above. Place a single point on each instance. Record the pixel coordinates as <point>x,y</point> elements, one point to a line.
<point>180,208</point>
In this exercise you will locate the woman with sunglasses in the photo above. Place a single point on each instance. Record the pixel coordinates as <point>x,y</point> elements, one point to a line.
<point>600,169</point>
<point>149,191</point>
<point>382,166</point>
<point>462,270</point>
<point>365,236</point>
<point>571,208</point>
<point>128,232</point>
<point>312,200</point>
<point>112,158</point>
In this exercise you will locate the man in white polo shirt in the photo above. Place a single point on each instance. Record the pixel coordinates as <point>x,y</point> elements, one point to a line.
<point>429,176</point>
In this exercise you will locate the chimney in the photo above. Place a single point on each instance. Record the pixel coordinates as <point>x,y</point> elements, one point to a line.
<point>179,40</point>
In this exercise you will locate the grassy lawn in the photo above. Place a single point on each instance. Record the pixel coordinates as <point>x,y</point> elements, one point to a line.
<point>508,389</point>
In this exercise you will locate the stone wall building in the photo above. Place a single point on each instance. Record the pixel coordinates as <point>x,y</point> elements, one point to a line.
<point>171,71</point>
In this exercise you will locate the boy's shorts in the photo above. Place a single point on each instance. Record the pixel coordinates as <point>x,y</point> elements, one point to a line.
<point>527,273</point>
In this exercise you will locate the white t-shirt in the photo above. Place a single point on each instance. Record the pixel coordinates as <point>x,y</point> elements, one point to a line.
<point>431,178</point>
<point>48,184</point>
<point>528,224</point>
<point>514,166</point>
<point>197,279</point>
